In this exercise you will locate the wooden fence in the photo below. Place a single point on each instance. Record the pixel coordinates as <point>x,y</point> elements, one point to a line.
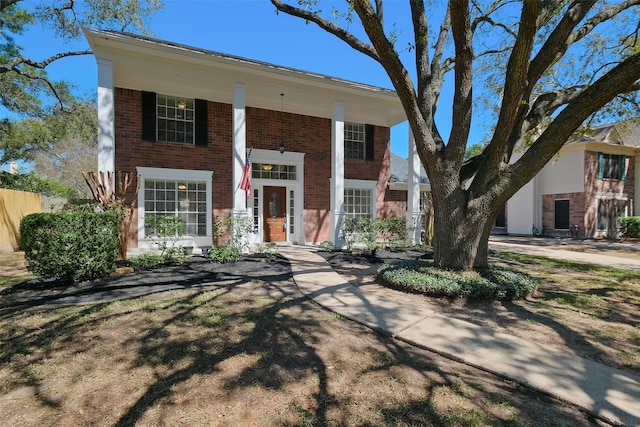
<point>15,205</point>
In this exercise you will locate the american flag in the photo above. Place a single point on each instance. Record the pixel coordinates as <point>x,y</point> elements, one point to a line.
<point>245,182</point>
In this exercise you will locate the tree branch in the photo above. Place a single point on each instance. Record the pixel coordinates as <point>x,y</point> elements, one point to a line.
<point>599,18</point>
<point>14,63</point>
<point>516,83</point>
<point>439,68</point>
<point>328,26</point>
<point>619,79</point>
<point>557,43</point>
<point>4,4</point>
<point>462,97</point>
<point>421,38</point>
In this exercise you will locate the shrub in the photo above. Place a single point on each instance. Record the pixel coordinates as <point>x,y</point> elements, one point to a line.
<point>630,226</point>
<point>223,254</point>
<point>70,246</point>
<point>267,251</point>
<point>33,183</point>
<point>327,246</point>
<point>147,261</point>
<point>364,233</point>
<point>496,282</point>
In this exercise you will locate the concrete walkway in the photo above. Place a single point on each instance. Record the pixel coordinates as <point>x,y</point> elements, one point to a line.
<point>610,393</point>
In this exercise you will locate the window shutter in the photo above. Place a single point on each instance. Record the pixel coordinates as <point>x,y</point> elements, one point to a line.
<point>201,130</point>
<point>368,145</point>
<point>600,165</point>
<point>623,169</point>
<point>149,116</point>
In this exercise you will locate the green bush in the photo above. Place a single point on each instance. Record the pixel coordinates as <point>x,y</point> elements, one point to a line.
<point>70,246</point>
<point>365,232</point>
<point>223,254</point>
<point>147,261</point>
<point>496,283</point>
<point>33,183</point>
<point>630,226</point>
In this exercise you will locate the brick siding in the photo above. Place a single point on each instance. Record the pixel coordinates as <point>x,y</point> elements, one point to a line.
<point>266,129</point>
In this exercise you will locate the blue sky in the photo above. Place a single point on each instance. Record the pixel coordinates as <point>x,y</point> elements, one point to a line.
<point>252,29</point>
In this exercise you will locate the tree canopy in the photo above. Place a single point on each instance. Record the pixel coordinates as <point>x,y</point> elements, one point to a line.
<point>543,67</point>
<point>24,84</point>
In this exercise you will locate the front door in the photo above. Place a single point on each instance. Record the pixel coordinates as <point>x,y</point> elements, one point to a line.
<point>274,208</point>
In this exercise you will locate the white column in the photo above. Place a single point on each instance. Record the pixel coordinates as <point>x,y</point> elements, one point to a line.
<point>413,192</point>
<point>337,174</point>
<point>239,150</point>
<point>106,129</point>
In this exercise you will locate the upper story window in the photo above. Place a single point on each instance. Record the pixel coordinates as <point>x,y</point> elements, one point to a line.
<point>358,141</point>
<point>175,118</point>
<point>611,166</point>
<point>354,141</point>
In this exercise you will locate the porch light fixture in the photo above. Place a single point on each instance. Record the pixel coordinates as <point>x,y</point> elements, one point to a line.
<point>281,148</point>
<point>267,167</point>
<point>182,105</point>
<point>182,186</point>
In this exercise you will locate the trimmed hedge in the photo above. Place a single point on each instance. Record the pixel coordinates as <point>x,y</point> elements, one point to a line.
<point>70,246</point>
<point>495,283</point>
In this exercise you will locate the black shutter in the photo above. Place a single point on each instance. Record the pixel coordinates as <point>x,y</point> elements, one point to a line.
<point>201,122</point>
<point>149,116</point>
<point>368,142</point>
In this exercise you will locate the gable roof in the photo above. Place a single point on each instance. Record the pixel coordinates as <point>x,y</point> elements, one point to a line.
<point>624,133</point>
<point>399,168</point>
<point>149,64</point>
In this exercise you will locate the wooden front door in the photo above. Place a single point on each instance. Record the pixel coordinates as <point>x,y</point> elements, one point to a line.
<point>274,209</point>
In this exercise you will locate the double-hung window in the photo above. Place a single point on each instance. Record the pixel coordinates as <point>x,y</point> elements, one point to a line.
<point>175,119</point>
<point>354,141</point>
<point>611,166</point>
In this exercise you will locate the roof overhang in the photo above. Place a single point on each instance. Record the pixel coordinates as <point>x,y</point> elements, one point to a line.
<point>599,147</point>
<point>143,63</point>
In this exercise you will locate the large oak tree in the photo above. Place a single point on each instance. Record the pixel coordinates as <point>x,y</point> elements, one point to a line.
<point>548,66</point>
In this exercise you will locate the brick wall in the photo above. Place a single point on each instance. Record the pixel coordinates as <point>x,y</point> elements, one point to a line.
<point>576,213</point>
<point>266,129</point>
<point>595,187</point>
<point>583,206</point>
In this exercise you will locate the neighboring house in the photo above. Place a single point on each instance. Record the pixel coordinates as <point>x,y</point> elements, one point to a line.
<point>590,183</point>
<point>185,119</point>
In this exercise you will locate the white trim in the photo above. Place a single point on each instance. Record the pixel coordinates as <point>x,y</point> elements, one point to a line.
<point>362,184</point>
<point>175,174</point>
<point>287,158</point>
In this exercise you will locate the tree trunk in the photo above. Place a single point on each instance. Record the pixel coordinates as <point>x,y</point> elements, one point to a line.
<point>461,236</point>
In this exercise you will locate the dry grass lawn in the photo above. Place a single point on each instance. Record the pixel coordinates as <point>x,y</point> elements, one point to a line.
<point>244,351</point>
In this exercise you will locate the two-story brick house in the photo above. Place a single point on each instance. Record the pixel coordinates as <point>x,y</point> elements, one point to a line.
<point>184,120</point>
<point>585,188</point>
